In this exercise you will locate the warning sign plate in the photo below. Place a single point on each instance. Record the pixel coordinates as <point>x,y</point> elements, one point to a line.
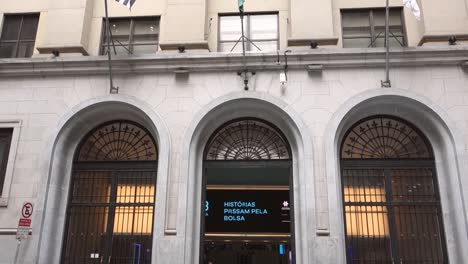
<point>24,224</point>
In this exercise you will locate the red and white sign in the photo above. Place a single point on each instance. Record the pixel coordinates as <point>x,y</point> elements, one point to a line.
<point>27,210</point>
<point>24,224</point>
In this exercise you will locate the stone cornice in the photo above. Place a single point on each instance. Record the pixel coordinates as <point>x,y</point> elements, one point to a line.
<point>215,62</point>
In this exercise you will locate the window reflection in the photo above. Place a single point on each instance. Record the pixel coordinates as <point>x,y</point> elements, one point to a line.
<point>261,30</point>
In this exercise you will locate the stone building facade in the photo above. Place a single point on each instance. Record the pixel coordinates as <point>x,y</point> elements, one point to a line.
<point>185,91</point>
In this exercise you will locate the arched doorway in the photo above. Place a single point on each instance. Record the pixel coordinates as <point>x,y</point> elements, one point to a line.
<point>111,201</point>
<point>247,203</point>
<point>391,199</point>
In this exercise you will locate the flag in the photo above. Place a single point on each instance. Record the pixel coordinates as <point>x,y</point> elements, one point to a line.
<point>413,5</point>
<point>127,3</point>
<point>241,5</point>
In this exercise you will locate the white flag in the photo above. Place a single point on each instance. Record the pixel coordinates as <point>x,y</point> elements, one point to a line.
<point>413,5</point>
<point>127,3</point>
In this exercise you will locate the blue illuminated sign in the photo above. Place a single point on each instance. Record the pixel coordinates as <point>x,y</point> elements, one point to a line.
<point>281,249</point>
<point>247,211</point>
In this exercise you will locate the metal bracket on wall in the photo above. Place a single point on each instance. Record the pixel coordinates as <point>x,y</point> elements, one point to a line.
<point>246,74</point>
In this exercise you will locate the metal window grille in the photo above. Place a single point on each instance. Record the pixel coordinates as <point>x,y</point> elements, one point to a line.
<point>261,29</point>
<point>136,35</point>
<point>247,140</point>
<point>111,202</point>
<point>365,28</point>
<point>5,142</point>
<point>18,35</point>
<point>390,194</point>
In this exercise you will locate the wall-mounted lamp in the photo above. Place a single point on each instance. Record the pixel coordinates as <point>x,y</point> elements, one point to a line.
<point>283,78</point>
<point>245,73</point>
<point>313,44</point>
<point>452,40</point>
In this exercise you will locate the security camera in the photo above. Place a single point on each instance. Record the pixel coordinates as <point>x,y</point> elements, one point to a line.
<point>282,78</point>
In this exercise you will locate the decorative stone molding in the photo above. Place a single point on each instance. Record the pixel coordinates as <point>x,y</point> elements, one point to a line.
<point>217,62</point>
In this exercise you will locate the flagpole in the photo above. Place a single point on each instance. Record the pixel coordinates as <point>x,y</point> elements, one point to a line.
<point>387,83</point>
<point>112,90</point>
<point>245,71</point>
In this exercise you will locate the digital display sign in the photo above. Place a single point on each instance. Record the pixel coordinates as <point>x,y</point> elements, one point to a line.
<point>247,211</point>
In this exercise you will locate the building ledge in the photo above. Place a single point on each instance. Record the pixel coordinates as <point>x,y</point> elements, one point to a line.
<point>428,38</point>
<point>218,61</point>
<point>62,49</point>
<point>201,45</point>
<point>295,42</point>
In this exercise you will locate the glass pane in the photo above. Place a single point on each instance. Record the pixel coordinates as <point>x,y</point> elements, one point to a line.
<point>119,27</point>
<point>362,32</point>
<point>144,49</point>
<point>356,29</point>
<point>145,39</point>
<point>264,46</point>
<point>91,187</point>
<point>367,234</point>
<point>363,186</point>
<point>150,26</point>
<point>131,247</point>
<point>118,40</point>
<point>227,46</point>
<point>4,145</point>
<point>394,17</point>
<point>29,28</point>
<point>25,50</point>
<point>357,43</point>
<point>11,27</point>
<point>135,193</point>
<point>7,50</point>
<point>413,185</point>
<point>367,221</point>
<point>133,219</point>
<point>355,18</point>
<point>367,227</point>
<point>230,28</point>
<point>120,50</point>
<point>419,236</point>
<point>264,27</point>
<point>86,234</point>
<point>380,42</point>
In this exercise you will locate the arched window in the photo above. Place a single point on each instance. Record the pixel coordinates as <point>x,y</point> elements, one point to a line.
<point>247,202</point>
<point>111,201</point>
<point>390,194</point>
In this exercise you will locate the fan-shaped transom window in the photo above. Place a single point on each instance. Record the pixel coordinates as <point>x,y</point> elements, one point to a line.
<point>383,137</point>
<point>118,141</point>
<point>247,140</point>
